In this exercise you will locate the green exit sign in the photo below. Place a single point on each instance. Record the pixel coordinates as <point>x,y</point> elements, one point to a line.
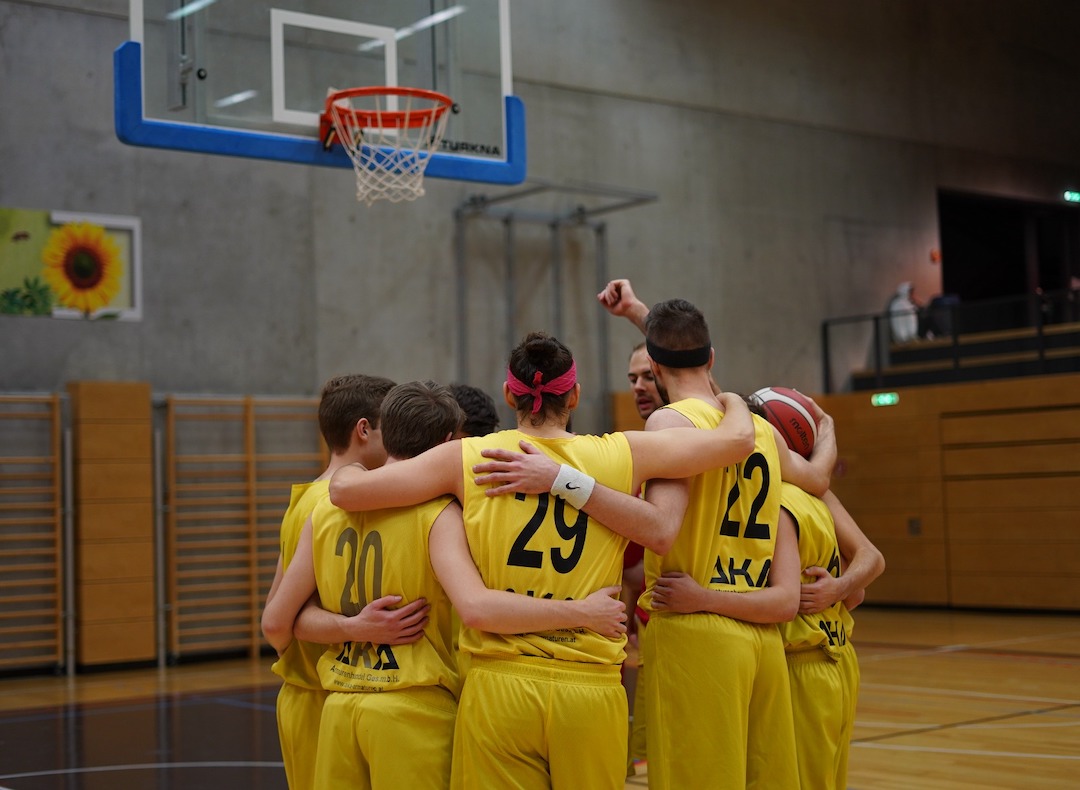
<point>1072,197</point>
<point>885,399</point>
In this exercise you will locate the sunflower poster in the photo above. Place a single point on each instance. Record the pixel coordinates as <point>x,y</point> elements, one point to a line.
<point>69,265</point>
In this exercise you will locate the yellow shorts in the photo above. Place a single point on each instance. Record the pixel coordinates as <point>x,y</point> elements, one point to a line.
<point>528,723</point>
<point>298,713</point>
<point>849,666</point>
<point>637,723</point>
<point>718,704</point>
<point>819,703</point>
<point>388,740</point>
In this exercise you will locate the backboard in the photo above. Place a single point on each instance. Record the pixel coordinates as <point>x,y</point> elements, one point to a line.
<point>249,78</point>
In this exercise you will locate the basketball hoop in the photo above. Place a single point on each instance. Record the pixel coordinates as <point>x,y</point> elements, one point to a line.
<point>389,145</point>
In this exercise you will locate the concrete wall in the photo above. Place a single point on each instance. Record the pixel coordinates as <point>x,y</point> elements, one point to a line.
<point>796,149</point>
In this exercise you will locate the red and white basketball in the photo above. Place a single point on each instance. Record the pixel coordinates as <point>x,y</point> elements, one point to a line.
<point>792,414</point>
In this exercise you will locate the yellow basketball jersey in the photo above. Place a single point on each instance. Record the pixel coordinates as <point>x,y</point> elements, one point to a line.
<point>538,545</point>
<point>360,557</point>
<point>729,532</point>
<point>298,664</point>
<point>831,628</point>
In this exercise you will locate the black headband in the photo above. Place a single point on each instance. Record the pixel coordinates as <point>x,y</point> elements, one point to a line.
<point>687,358</point>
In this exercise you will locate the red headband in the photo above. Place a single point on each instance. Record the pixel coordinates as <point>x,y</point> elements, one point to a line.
<point>560,385</point>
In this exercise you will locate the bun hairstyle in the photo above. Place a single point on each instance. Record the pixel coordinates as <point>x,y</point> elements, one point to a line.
<point>541,376</point>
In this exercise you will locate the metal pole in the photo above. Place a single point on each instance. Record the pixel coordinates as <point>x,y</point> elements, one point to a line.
<point>462,298</point>
<point>69,556</point>
<point>508,263</point>
<point>605,351</point>
<point>1040,337</point>
<point>556,280</point>
<point>877,350</point>
<point>826,366</point>
<point>160,605</point>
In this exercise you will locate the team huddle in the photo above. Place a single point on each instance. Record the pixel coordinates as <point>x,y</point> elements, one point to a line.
<point>447,605</point>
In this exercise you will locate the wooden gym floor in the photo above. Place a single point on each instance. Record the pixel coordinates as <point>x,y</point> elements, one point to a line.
<point>949,700</point>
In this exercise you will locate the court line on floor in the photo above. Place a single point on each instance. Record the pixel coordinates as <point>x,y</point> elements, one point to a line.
<point>903,652</point>
<point>896,747</point>
<point>898,725</point>
<point>112,707</point>
<point>964,725</point>
<point>146,767</point>
<point>937,691</point>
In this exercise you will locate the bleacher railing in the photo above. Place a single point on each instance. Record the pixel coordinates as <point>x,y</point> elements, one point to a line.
<point>862,345</point>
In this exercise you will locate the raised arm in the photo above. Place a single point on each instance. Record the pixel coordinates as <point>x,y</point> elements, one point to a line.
<point>407,482</point>
<point>618,299</point>
<point>863,563</point>
<point>502,612</point>
<point>776,603</point>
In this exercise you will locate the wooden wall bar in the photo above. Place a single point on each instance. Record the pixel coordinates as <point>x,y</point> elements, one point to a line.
<point>31,502</point>
<point>230,466</point>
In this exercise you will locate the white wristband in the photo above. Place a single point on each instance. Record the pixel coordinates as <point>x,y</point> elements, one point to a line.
<point>573,486</point>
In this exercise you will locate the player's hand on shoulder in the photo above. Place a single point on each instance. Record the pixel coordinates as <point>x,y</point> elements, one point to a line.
<point>527,472</point>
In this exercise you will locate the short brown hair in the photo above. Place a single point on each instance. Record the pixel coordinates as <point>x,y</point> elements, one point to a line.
<point>677,326</point>
<point>417,416</point>
<point>344,401</point>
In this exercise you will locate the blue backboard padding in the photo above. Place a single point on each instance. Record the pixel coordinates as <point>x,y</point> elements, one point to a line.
<point>133,129</point>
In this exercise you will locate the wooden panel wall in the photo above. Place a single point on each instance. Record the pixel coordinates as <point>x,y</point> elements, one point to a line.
<point>1004,510</point>
<point>31,501</point>
<point>114,506</point>
<point>888,476</point>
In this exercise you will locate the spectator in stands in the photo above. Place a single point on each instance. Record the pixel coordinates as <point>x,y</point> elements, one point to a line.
<point>903,314</point>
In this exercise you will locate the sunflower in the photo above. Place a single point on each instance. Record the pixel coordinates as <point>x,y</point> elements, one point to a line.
<point>82,266</point>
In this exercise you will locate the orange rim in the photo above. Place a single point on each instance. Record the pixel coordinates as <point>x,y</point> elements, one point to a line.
<point>388,119</point>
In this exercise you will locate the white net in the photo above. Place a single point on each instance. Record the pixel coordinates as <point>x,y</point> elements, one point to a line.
<point>389,140</point>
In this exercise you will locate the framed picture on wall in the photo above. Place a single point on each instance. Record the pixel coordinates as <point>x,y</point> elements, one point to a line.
<point>70,265</point>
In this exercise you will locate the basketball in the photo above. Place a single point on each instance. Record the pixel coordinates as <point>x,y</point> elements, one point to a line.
<point>792,414</point>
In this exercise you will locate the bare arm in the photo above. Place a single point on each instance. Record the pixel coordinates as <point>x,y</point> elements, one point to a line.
<point>776,603</point>
<point>652,522</point>
<point>502,612</point>
<point>863,563</point>
<point>665,450</point>
<point>668,454</point>
<point>813,475</point>
<point>296,587</point>
<point>408,482</point>
<point>276,583</point>
<point>378,622</point>
<point>618,299</point>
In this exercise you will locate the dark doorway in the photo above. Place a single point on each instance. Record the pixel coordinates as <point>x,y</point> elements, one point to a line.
<point>1001,250</point>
